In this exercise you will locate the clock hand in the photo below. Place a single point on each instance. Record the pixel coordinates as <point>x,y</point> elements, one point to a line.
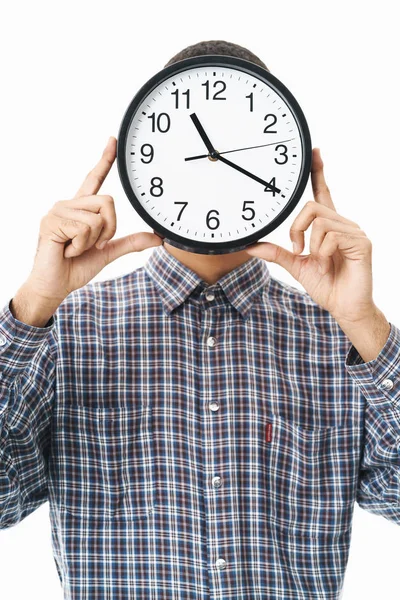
<point>239,149</point>
<point>203,135</point>
<point>241,170</point>
<point>215,154</point>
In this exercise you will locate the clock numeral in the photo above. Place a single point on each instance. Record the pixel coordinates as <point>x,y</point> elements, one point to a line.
<point>208,219</point>
<point>250,96</point>
<point>284,153</point>
<point>266,128</point>
<point>272,182</point>
<point>156,186</point>
<point>182,209</point>
<point>163,122</point>
<point>176,94</point>
<point>149,155</point>
<point>217,94</point>
<point>248,208</point>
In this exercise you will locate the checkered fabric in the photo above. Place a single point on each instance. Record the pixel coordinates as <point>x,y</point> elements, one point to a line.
<point>196,441</point>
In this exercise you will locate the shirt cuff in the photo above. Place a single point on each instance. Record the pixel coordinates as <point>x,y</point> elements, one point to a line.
<point>379,378</point>
<point>19,341</point>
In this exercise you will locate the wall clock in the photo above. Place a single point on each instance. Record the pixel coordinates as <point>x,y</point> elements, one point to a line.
<point>214,153</point>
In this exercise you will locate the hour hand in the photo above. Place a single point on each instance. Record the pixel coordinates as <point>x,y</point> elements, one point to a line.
<point>214,154</point>
<point>203,135</point>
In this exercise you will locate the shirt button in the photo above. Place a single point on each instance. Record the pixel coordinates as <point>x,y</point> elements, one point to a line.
<point>217,482</point>
<point>210,296</point>
<point>3,340</point>
<point>211,341</point>
<point>214,406</point>
<point>387,384</point>
<point>220,563</point>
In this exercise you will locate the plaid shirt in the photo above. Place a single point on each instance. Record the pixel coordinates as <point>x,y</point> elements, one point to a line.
<point>196,441</point>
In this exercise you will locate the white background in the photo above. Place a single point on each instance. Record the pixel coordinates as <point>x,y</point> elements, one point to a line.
<point>68,72</point>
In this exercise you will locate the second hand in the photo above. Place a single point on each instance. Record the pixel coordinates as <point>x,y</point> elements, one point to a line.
<point>239,149</point>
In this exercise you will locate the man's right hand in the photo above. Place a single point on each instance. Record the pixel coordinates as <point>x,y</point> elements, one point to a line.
<point>71,247</point>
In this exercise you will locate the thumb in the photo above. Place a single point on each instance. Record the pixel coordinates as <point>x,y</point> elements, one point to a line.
<point>135,242</point>
<point>274,253</point>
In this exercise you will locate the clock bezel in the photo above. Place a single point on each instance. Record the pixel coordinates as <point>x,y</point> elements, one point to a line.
<point>216,60</point>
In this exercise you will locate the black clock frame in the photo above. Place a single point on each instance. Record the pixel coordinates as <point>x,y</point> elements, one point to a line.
<point>173,238</point>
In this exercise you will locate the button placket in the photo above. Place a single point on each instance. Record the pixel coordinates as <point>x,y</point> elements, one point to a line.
<point>214,406</point>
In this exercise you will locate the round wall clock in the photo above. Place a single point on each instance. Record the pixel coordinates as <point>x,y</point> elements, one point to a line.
<point>214,153</point>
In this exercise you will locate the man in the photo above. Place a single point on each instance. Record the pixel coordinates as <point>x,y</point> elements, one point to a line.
<point>200,429</point>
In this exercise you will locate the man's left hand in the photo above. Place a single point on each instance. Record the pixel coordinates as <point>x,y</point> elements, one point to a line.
<point>337,274</point>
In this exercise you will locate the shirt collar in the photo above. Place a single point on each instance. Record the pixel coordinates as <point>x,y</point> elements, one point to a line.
<point>175,281</point>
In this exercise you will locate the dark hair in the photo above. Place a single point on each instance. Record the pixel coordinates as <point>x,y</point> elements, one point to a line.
<point>217,47</point>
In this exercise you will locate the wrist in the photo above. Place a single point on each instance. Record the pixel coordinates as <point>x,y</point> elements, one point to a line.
<point>372,314</point>
<point>31,308</point>
<point>368,334</point>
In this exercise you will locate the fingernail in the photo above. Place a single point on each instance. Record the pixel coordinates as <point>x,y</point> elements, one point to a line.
<point>101,246</point>
<point>109,140</point>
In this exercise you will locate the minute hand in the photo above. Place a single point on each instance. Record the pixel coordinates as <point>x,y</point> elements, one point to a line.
<point>241,170</point>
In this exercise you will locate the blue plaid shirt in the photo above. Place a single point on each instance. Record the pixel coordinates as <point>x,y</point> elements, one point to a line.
<point>196,441</point>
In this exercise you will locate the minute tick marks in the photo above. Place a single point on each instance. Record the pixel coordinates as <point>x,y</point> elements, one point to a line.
<point>257,156</point>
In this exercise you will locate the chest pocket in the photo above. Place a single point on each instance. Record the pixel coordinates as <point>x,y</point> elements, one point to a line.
<point>311,474</point>
<point>103,461</point>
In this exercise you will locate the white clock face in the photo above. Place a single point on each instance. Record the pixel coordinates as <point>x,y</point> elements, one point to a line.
<point>208,200</point>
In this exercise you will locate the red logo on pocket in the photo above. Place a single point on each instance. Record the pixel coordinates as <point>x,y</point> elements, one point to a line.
<point>268,434</point>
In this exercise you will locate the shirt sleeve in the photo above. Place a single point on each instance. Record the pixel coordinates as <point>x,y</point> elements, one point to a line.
<point>379,381</point>
<point>27,381</point>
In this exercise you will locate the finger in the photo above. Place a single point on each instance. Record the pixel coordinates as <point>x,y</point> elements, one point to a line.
<point>102,204</point>
<point>109,215</point>
<point>94,220</point>
<point>320,228</point>
<point>93,203</point>
<point>135,242</point>
<point>321,191</point>
<point>276,254</point>
<point>304,219</point>
<point>97,175</point>
<point>353,247</point>
<point>69,230</point>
